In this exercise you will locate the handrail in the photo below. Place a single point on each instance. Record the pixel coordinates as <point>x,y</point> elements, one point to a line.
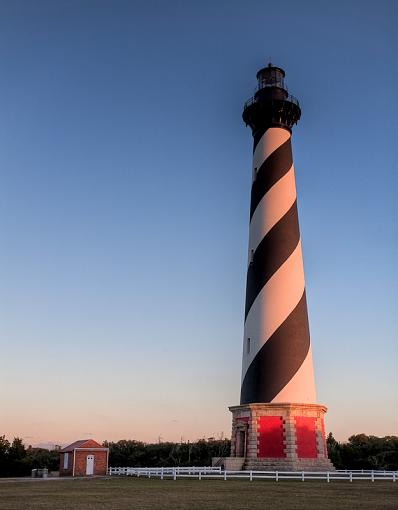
<point>289,98</point>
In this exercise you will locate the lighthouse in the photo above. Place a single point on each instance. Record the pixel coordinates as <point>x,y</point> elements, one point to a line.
<point>278,424</point>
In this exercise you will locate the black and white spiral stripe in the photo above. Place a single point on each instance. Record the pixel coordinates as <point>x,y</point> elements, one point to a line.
<point>277,363</point>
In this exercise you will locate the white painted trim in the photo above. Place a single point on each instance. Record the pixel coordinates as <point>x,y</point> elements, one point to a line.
<point>95,449</point>
<point>74,462</point>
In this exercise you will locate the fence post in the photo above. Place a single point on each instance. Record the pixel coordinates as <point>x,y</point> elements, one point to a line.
<point>161,474</point>
<point>328,477</point>
<point>174,474</point>
<point>251,475</point>
<point>350,476</point>
<point>200,475</point>
<point>276,476</point>
<point>302,476</point>
<point>225,475</point>
<point>373,476</point>
<point>393,476</point>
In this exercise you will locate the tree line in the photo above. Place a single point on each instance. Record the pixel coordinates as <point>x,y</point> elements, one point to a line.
<point>364,452</point>
<point>136,453</point>
<point>16,460</point>
<point>359,452</point>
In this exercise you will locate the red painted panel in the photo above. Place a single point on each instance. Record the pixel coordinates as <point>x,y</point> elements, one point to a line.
<point>270,435</point>
<point>306,437</point>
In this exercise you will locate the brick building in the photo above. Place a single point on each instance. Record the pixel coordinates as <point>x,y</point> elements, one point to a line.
<point>85,457</point>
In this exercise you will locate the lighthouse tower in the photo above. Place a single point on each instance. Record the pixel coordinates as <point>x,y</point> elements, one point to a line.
<point>278,424</point>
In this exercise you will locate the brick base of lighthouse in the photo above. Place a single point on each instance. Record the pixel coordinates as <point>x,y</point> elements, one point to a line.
<point>280,437</point>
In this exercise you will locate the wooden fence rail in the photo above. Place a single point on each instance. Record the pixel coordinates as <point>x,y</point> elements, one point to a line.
<point>216,473</point>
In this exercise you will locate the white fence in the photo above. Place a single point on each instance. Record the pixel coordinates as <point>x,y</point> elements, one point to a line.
<point>216,473</point>
<point>164,472</point>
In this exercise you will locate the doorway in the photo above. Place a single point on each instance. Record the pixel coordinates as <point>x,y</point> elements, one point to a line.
<point>241,443</point>
<point>90,465</point>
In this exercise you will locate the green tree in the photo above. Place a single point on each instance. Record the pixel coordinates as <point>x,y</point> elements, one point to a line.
<point>39,458</point>
<point>17,449</point>
<point>138,454</point>
<point>4,448</point>
<point>364,452</point>
<point>17,462</point>
<point>334,451</point>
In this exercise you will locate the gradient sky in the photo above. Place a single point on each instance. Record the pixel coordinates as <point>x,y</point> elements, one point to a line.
<point>125,184</point>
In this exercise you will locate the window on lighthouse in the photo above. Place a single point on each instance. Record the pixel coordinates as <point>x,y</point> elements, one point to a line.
<point>248,346</point>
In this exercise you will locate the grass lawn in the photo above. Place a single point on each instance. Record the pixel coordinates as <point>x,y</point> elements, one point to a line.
<point>155,494</point>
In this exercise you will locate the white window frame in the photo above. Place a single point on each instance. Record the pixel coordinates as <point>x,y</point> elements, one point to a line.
<point>66,460</point>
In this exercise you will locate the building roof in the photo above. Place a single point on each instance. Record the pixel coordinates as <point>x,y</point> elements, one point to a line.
<point>81,443</point>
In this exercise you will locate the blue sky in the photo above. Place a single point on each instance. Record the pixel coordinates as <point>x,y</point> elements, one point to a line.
<point>125,184</point>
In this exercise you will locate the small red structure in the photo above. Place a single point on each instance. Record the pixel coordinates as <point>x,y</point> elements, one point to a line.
<point>85,457</point>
